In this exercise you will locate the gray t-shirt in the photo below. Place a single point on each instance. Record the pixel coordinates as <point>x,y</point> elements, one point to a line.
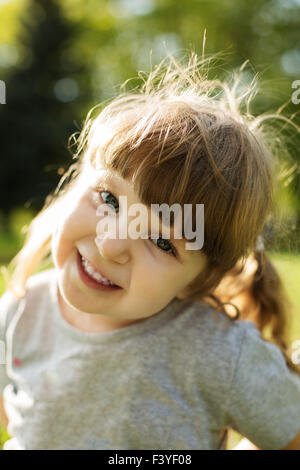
<point>177,380</point>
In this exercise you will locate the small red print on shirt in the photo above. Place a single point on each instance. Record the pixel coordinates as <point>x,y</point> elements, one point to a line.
<point>16,361</point>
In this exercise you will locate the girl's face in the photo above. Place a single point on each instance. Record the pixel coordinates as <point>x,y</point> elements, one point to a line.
<point>147,271</point>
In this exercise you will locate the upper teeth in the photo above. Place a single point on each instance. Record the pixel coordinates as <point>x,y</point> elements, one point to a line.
<point>95,274</point>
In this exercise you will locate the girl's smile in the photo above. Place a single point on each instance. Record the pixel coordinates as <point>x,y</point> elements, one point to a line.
<point>92,277</point>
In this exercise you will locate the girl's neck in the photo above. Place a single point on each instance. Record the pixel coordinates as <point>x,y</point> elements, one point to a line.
<point>90,323</point>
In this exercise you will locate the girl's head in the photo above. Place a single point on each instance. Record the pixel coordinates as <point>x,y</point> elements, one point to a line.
<point>180,139</point>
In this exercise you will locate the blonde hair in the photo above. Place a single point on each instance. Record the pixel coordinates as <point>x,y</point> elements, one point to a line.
<point>180,138</point>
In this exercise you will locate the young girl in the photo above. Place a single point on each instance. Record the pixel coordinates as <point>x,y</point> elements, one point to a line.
<point>131,343</point>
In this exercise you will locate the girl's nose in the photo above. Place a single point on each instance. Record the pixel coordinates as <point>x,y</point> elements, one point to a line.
<point>113,248</point>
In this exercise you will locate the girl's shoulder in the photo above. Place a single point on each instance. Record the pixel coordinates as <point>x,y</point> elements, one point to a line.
<point>36,287</point>
<point>248,375</point>
<point>229,345</point>
<point>213,326</point>
<point>8,306</point>
<point>41,279</point>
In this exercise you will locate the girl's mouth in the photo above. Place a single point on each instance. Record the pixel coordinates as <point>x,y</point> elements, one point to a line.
<point>93,278</point>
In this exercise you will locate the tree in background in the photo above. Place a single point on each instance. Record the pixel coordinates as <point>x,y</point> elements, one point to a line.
<point>45,93</point>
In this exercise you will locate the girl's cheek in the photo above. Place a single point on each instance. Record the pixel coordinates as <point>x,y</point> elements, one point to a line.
<point>153,273</point>
<point>58,249</point>
<point>63,242</point>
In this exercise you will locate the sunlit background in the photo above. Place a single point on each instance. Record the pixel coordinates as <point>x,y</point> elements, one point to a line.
<point>60,58</point>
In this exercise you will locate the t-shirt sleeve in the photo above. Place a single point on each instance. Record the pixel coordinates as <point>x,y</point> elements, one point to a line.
<point>264,397</point>
<point>7,305</point>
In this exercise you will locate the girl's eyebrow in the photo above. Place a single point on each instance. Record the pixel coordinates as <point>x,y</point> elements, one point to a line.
<point>107,180</point>
<point>115,183</point>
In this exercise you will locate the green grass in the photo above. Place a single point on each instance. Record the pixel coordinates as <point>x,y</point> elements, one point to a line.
<point>288,266</point>
<point>3,436</point>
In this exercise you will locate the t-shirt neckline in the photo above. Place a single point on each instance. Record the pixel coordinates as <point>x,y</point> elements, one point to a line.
<point>152,322</point>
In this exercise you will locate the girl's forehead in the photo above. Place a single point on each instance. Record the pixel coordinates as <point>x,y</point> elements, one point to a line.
<point>105,175</point>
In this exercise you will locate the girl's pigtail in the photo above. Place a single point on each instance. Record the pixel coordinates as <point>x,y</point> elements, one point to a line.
<point>272,302</point>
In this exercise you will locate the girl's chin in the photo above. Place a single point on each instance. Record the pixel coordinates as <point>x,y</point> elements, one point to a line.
<point>76,303</point>
<point>78,297</point>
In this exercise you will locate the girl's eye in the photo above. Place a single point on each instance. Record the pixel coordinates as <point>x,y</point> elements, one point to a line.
<point>164,245</point>
<point>109,199</point>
